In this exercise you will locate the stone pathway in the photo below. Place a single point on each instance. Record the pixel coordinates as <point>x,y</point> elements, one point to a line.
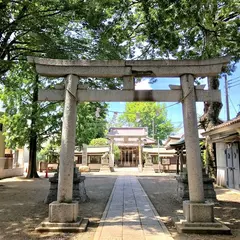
<point>129,214</point>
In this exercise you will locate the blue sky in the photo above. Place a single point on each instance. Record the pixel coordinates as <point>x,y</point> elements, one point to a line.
<point>175,112</point>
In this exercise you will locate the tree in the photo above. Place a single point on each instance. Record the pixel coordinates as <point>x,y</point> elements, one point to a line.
<point>51,28</point>
<point>26,121</point>
<point>204,30</point>
<point>104,142</point>
<point>49,153</point>
<point>179,29</point>
<point>182,30</point>
<point>42,28</point>
<point>150,115</point>
<point>29,28</point>
<point>88,125</point>
<point>112,29</point>
<point>98,142</point>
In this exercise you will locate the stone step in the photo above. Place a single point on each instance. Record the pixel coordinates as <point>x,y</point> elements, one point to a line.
<point>202,228</point>
<point>79,226</point>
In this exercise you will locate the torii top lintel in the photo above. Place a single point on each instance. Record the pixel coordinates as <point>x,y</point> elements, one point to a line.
<point>121,68</point>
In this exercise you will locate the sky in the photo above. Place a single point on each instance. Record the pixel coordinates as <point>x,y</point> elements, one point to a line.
<point>174,113</point>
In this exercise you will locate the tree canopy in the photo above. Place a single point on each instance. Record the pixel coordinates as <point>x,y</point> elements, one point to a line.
<point>56,29</point>
<point>98,142</point>
<point>97,29</point>
<point>150,115</point>
<point>179,29</point>
<point>17,97</point>
<point>88,125</point>
<point>104,142</point>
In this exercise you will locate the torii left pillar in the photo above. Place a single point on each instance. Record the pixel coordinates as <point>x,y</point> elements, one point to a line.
<point>64,210</point>
<point>63,213</point>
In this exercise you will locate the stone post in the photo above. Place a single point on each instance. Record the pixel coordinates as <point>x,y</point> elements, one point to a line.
<point>178,156</point>
<point>84,155</point>
<point>111,153</point>
<point>140,166</point>
<point>181,160</point>
<point>194,166</point>
<point>2,149</point>
<point>126,158</point>
<point>65,184</point>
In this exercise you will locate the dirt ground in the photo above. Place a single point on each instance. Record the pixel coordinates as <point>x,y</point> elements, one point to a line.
<point>162,193</point>
<point>22,207</point>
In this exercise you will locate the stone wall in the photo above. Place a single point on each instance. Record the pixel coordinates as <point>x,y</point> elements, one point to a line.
<point>5,173</point>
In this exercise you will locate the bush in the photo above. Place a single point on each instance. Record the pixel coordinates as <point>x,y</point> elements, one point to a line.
<point>98,142</point>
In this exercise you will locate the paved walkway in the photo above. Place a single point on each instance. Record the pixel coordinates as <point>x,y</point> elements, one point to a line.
<point>130,215</point>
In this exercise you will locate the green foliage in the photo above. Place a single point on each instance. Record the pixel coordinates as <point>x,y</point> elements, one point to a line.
<point>17,97</point>
<point>181,29</point>
<point>49,153</point>
<point>98,29</point>
<point>152,115</point>
<point>55,29</point>
<point>98,142</point>
<point>88,125</point>
<point>116,152</point>
<point>104,142</point>
<point>203,153</point>
<point>40,28</point>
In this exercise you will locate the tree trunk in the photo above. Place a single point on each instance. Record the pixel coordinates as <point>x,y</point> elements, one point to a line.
<point>32,165</point>
<point>207,121</point>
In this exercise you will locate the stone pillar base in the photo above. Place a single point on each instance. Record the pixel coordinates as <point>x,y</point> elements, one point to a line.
<point>63,217</point>
<point>183,189</point>
<point>79,190</point>
<point>198,212</point>
<point>79,226</point>
<point>199,218</point>
<point>202,228</point>
<point>105,168</point>
<point>2,162</point>
<point>148,168</point>
<point>63,212</point>
<point>140,167</point>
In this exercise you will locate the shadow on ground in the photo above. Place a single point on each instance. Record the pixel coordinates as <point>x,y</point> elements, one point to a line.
<point>162,192</point>
<point>22,207</point>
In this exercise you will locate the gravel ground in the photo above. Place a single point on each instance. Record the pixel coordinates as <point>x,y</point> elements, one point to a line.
<point>162,193</point>
<point>22,207</point>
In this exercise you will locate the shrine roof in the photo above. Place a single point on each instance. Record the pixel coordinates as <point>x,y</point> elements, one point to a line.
<point>181,141</point>
<point>127,132</point>
<point>161,150</point>
<point>173,138</point>
<point>223,127</point>
<point>131,141</point>
<point>95,149</point>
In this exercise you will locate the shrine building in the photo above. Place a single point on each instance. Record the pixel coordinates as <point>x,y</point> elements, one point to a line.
<point>134,145</point>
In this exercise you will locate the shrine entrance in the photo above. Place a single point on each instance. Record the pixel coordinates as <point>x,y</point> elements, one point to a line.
<point>130,141</point>
<point>196,211</point>
<point>128,157</point>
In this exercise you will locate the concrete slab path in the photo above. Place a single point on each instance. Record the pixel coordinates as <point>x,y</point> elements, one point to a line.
<point>129,214</point>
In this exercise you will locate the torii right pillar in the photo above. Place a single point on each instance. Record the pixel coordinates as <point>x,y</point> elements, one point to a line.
<point>199,215</point>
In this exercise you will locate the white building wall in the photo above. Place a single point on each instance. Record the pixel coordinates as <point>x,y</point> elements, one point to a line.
<point>236,159</point>
<point>25,157</point>
<point>20,159</point>
<point>221,164</point>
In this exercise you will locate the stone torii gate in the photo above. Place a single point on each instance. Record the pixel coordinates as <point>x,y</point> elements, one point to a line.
<point>64,211</point>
